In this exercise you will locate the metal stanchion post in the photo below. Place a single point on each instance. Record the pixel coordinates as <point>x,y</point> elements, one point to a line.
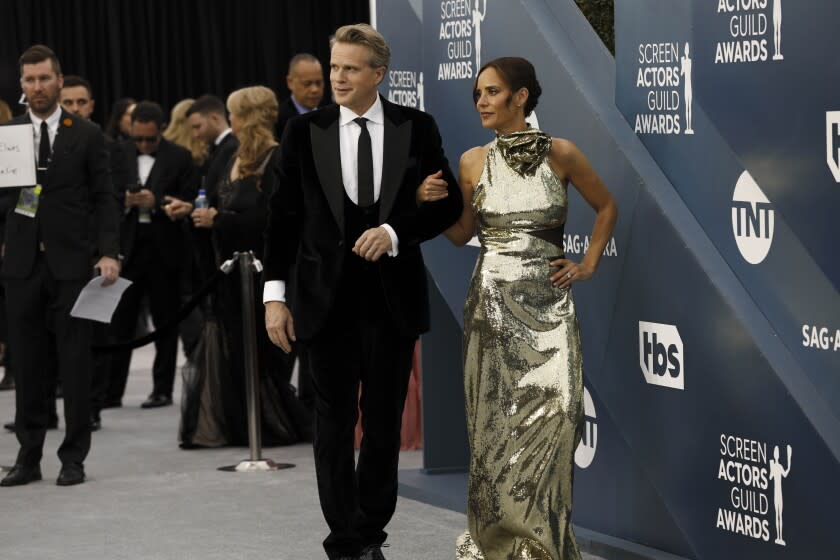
<point>248,265</point>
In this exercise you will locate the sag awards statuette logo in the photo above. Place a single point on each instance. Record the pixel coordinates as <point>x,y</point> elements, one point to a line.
<point>460,31</point>
<point>665,71</point>
<point>753,219</point>
<point>661,355</point>
<point>745,465</point>
<point>585,452</point>
<point>749,28</point>
<point>405,88</point>
<point>832,142</point>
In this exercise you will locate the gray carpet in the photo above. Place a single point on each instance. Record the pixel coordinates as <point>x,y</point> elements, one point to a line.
<point>147,499</point>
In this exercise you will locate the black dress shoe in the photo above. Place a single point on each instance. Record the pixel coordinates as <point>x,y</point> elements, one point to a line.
<point>20,475</point>
<point>70,475</point>
<point>155,401</point>
<point>52,424</point>
<point>373,552</point>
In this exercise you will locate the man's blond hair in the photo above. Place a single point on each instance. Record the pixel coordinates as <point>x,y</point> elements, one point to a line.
<point>364,34</point>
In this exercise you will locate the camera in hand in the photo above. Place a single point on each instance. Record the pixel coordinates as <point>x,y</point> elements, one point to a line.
<point>133,188</point>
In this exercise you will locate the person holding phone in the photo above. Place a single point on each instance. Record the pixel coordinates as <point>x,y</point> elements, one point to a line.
<point>153,172</point>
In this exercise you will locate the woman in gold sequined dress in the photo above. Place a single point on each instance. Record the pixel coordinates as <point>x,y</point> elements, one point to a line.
<point>522,354</point>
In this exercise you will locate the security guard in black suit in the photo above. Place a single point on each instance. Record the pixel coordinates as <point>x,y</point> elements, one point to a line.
<point>48,260</point>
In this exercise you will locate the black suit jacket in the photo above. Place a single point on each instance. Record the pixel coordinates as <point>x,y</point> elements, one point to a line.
<point>217,165</point>
<point>77,202</point>
<point>173,174</point>
<point>306,215</point>
<point>285,113</point>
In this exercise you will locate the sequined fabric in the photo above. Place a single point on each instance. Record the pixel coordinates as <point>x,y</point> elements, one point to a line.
<point>525,150</point>
<point>523,371</point>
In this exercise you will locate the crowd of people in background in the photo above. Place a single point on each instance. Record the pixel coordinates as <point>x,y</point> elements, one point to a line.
<point>169,248</point>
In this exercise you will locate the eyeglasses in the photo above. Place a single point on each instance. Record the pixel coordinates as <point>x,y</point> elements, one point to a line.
<point>147,139</point>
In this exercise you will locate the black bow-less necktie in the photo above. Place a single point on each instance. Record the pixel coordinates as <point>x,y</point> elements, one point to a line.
<point>365,164</point>
<point>44,146</point>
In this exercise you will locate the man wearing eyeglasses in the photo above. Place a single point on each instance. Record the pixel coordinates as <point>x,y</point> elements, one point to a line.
<point>149,172</point>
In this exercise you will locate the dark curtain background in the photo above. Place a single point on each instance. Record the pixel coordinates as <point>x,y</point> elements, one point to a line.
<point>166,50</point>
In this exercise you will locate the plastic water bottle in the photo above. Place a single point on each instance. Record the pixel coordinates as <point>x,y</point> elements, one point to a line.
<point>201,200</point>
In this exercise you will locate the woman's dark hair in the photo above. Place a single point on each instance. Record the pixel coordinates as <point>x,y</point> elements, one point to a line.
<point>112,130</point>
<point>517,73</point>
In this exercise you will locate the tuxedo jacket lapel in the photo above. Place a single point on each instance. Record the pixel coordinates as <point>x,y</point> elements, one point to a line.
<point>397,143</point>
<point>153,180</point>
<point>62,143</point>
<point>326,152</point>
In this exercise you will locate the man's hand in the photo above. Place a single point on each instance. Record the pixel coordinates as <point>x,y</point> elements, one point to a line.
<point>372,244</point>
<point>176,208</point>
<point>280,325</point>
<point>110,270</point>
<point>432,188</point>
<point>144,199</point>
<point>203,217</point>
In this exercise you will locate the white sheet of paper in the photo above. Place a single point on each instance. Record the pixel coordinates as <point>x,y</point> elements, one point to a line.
<point>97,302</point>
<point>17,156</point>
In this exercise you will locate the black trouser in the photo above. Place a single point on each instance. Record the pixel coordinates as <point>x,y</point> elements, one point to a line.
<point>101,369</point>
<point>37,307</point>
<point>358,502</point>
<point>150,277</point>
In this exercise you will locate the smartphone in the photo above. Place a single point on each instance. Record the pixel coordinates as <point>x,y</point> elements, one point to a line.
<point>133,188</point>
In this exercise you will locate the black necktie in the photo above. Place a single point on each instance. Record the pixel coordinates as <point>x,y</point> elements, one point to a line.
<point>44,146</point>
<point>365,165</point>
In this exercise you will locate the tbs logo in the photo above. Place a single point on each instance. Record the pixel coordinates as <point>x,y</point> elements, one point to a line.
<point>661,355</point>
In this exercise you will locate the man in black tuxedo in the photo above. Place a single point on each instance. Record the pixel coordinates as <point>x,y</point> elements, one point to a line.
<point>209,122</point>
<point>345,215</point>
<point>48,260</point>
<point>305,80</point>
<point>76,97</point>
<point>208,119</point>
<point>150,172</point>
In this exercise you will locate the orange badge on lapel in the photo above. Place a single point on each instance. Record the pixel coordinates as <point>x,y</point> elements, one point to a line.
<point>67,122</point>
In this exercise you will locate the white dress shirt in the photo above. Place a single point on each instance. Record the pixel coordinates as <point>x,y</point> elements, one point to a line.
<point>144,169</point>
<point>222,136</point>
<point>52,128</point>
<point>348,141</point>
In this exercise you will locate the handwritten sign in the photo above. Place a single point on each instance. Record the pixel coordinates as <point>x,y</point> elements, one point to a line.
<point>17,156</point>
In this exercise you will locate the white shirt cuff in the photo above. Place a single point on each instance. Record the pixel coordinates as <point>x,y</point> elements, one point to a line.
<point>274,290</point>
<point>395,243</point>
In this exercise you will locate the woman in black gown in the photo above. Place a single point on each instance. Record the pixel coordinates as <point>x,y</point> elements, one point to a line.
<point>214,410</point>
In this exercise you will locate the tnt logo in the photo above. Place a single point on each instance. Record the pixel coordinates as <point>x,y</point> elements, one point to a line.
<point>753,219</point>
<point>832,142</point>
<point>585,452</point>
<point>661,355</point>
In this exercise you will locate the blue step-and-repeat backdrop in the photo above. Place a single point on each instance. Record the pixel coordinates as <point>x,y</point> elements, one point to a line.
<point>711,331</point>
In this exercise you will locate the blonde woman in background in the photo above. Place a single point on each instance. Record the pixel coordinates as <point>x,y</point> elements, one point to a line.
<point>5,112</point>
<point>214,411</point>
<point>180,132</point>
